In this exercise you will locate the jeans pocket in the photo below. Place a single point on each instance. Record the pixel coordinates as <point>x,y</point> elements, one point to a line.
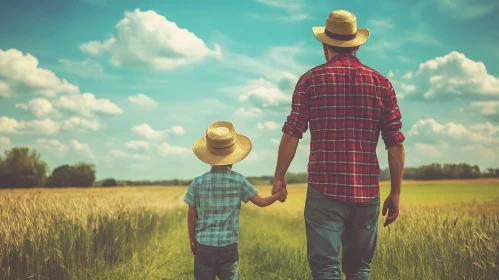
<point>367,216</point>
<point>204,258</point>
<point>324,212</point>
<point>230,256</point>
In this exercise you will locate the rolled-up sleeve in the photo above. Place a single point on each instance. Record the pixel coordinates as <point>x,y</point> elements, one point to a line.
<point>390,121</point>
<point>297,122</point>
<point>190,195</point>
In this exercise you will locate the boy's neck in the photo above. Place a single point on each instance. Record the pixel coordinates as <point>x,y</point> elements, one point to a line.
<point>222,166</point>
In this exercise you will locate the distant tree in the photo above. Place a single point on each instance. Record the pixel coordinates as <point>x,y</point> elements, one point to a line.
<point>60,177</point>
<point>22,168</point>
<point>84,175</point>
<point>79,175</point>
<point>109,183</point>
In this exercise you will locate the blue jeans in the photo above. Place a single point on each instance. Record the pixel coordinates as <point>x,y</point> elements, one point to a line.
<point>210,262</point>
<point>331,223</point>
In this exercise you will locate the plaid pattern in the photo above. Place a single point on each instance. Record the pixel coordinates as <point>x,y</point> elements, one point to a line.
<point>217,197</point>
<point>346,105</point>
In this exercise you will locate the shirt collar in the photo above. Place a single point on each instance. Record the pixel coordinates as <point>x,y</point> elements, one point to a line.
<point>344,57</point>
<point>219,168</point>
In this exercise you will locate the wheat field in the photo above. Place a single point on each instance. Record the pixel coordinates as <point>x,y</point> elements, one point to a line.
<point>446,230</point>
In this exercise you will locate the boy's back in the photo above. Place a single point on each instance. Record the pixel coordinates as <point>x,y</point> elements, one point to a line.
<point>217,197</point>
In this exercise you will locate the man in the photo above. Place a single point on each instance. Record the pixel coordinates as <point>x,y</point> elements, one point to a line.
<point>346,105</point>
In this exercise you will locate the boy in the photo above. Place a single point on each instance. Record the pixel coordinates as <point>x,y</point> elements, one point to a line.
<point>214,201</point>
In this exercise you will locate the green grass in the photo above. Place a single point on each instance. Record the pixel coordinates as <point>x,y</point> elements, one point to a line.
<point>446,230</point>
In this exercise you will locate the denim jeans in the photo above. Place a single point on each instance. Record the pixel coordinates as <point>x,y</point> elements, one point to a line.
<point>210,262</point>
<point>331,223</point>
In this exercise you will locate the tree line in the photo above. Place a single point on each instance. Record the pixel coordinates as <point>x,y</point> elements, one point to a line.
<point>21,167</point>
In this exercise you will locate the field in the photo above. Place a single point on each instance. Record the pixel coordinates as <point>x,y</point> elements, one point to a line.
<point>446,230</point>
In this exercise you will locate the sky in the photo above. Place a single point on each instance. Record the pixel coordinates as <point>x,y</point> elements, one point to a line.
<point>130,85</point>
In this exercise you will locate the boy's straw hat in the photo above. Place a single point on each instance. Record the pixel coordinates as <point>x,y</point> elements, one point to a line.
<point>222,145</point>
<point>341,30</point>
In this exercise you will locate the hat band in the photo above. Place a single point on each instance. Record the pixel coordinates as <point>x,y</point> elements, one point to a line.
<point>222,151</point>
<point>340,36</point>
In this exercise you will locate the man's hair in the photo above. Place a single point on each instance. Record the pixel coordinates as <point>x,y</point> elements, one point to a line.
<point>341,50</point>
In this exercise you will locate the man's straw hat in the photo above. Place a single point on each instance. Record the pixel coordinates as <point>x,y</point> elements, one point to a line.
<point>222,145</point>
<point>341,30</point>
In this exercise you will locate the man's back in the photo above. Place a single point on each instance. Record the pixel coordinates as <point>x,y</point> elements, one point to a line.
<point>346,105</point>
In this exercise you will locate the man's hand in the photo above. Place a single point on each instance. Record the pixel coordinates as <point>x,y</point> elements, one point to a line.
<point>278,185</point>
<point>392,205</point>
<point>282,194</point>
<point>193,248</point>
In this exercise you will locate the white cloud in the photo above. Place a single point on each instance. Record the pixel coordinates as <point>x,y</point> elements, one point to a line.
<point>177,130</point>
<point>269,125</point>
<point>147,39</point>
<point>430,131</point>
<point>408,75</point>
<point>52,145</point>
<point>87,105</point>
<point>143,101</point>
<point>12,126</point>
<point>275,141</point>
<point>165,149</point>
<point>80,124</point>
<point>20,74</point>
<point>295,10</point>
<point>148,132</point>
<point>137,145</point>
<point>124,155</point>
<point>82,148</point>
<point>5,142</point>
<point>248,112</point>
<point>85,68</point>
<point>272,64</point>
<point>455,75</point>
<point>466,9</point>
<point>486,108</point>
<point>428,150</point>
<point>380,25</point>
<point>40,107</point>
<point>261,92</point>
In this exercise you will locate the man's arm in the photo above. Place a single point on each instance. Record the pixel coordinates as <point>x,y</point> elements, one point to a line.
<point>393,138</point>
<point>192,217</point>
<point>293,129</point>
<point>286,154</point>
<point>396,160</point>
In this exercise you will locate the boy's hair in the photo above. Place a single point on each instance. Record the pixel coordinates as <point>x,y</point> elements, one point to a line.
<point>341,50</point>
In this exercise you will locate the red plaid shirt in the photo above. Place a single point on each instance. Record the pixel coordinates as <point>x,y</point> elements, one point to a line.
<point>346,105</point>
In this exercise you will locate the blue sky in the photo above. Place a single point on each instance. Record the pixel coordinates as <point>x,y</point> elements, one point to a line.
<point>129,86</point>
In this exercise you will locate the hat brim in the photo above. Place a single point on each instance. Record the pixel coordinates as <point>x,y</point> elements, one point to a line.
<point>362,37</point>
<point>243,148</point>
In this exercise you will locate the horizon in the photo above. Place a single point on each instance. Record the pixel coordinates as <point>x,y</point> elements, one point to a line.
<point>131,87</point>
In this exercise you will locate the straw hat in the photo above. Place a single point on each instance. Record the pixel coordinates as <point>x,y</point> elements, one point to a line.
<point>341,30</point>
<point>222,145</point>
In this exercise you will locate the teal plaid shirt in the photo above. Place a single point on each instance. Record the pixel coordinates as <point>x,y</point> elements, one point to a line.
<point>217,197</point>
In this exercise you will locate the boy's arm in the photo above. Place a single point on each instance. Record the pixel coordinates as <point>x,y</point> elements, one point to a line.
<point>263,201</point>
<point>192,217</point>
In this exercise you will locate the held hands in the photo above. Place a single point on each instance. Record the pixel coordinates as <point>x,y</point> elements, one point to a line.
<point>392,205</point>
<point>282,195</point>
<point>277,187</point>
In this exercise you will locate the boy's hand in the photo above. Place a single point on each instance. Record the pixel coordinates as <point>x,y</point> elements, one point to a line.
<point>193,248</point>
<point>278,185</point>
<point>282,195</point>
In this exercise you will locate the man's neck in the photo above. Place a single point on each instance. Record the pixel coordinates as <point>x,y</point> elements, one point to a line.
<point>340,54</point>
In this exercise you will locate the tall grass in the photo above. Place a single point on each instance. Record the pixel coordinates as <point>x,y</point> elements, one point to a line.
<point>75,234</point>
<point>141,233</point>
